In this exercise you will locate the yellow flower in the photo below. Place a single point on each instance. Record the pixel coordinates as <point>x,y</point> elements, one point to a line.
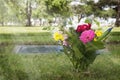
<point>57,36</point>
<point>95,39</point>
<point>98,33</point>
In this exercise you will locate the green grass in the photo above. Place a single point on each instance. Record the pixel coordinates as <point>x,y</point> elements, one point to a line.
<point>9,30</point>
<point>56,67</point>
<point>106,67</point>
<point>116,29</point>
<point>114,37</point>
<point>52,66</point>
<point>26,35</point>
<point>34,67</point>
<point>113,42</point>
<point>28,38</point>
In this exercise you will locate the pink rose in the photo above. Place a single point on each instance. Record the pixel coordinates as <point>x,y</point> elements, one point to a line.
<point>83,27</point>
<point>87,36</point>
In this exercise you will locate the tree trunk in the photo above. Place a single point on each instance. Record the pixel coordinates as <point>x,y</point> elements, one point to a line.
<point>28,13</point>
<point>40,22</point>
<point>117,23</point>
<point>2,21</point>
<point>79,17</point>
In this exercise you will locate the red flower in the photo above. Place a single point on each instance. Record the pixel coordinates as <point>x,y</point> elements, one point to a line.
<point>83,27</point>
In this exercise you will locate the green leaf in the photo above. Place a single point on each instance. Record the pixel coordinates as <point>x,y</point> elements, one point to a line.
<point>97,23</point>
<point>88,21</point>
<point>105,34</point>
<point>95,45</point>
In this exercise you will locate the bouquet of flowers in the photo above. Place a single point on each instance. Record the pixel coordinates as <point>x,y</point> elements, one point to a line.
<point>80,45</point>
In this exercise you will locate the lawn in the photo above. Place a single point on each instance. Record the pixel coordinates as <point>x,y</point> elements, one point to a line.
<point>115,37</point>
<point>28,38</point>
<point>116,29</point>
<point>56,67</point>
<point>26,35</point>
<point>52,66</point>
<point>14,30</point>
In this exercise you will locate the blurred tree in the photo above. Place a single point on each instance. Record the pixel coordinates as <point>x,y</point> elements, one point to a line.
<point>17,10</point>
<point>81,10</point>
<point>3,12</point>
<point>39,11</point>
<point>28,10</point>
<point>22,9</point>
<point>58,9</point>
<point>114,5</point>
<point>106,8</point>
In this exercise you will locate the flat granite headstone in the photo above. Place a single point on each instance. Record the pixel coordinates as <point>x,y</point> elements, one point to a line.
<point>102,51</point>
<point>37,48</point>
<point>45,49</point>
